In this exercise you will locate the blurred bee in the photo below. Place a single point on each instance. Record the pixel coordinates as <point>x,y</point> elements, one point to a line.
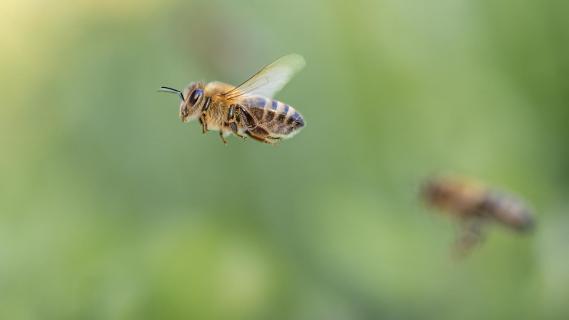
<point>247,109</point>
<point>475,205</point>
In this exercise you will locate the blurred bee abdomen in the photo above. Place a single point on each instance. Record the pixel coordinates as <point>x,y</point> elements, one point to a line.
<point>509,211</point>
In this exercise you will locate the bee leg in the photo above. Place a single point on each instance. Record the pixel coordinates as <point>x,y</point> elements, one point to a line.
<point>235,130</point>
<point>243,117</point>
<point>204,124</point>
<point>469,235</point>
<point>237,119</point>
<point>260,134</point>
<point>260,139</point>
<point>222,137</point>
<point>271,140</point>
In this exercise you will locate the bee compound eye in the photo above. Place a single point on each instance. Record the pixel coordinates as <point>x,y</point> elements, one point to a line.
<point>196,94</point>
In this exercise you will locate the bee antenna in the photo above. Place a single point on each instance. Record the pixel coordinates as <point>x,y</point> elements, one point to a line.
<point>172,90</point>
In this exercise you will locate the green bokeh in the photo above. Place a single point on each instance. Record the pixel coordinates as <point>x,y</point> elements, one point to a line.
<point>111,208</point>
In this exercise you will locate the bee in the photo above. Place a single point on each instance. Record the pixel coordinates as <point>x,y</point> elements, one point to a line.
<point>475,205</point>
<point>246,110</point>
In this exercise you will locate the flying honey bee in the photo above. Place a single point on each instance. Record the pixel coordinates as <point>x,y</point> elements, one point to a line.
<point>247,109</point>
<point>475,205</point>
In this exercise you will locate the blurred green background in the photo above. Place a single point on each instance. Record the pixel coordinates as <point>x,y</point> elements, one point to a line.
<point>111,208</point>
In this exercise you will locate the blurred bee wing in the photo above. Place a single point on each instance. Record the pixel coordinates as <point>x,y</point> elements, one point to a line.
<point>271,79</point>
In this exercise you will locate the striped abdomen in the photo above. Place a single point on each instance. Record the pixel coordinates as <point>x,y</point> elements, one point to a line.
<point>280,119</point>
<point>509,211</point>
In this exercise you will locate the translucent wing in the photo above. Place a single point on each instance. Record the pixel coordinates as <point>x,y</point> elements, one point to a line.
<point>271,79</point>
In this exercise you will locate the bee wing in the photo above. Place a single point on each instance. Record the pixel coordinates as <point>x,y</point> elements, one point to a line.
<point>270,79</point>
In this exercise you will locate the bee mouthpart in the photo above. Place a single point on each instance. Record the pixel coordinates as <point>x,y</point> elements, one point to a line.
<point>172,90</point>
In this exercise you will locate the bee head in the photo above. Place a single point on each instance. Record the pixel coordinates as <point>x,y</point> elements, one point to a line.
<point>191,100</point>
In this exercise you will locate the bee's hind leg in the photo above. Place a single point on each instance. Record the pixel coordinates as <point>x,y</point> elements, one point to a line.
<point>261,135</point>
<point>273,140</point>
<point>260,139</point>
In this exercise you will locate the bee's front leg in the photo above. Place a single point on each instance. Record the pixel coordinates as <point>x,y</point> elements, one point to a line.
<point>203,123</point>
